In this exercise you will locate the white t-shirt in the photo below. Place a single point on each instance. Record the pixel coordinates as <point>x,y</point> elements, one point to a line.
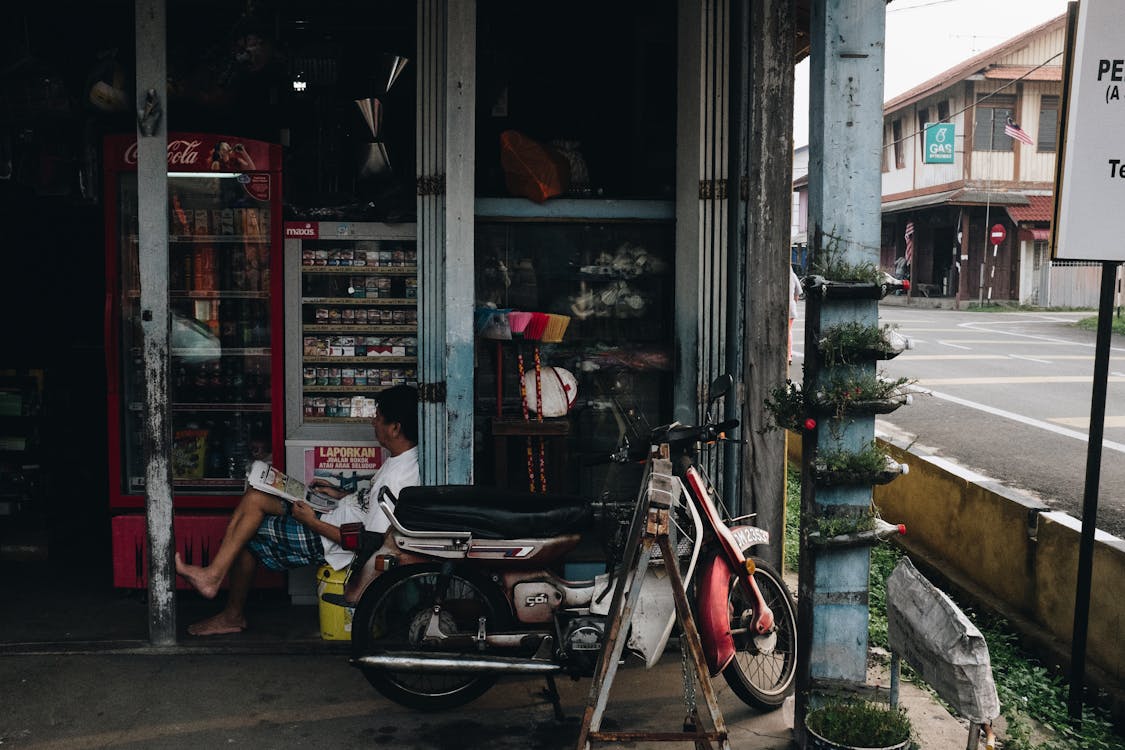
<point>395,473</point>
<point>794,293</point>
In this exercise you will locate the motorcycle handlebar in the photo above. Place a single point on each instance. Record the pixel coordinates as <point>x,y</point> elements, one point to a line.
<point>706,433</point>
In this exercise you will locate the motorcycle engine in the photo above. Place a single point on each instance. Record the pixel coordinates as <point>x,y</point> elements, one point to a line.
<point>582,641</point>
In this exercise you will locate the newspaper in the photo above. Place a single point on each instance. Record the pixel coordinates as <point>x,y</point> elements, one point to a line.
<point>273,480</point>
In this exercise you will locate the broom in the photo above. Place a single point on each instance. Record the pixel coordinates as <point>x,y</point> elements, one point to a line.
<point>518,322</point>
<point>535,330</point>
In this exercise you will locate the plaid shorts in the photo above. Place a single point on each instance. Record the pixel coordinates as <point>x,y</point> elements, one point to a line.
<point>282,543</point>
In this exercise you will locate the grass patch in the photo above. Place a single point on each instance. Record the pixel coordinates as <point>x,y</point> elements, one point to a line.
<point>1091,324</point>
<point>1028,691</point>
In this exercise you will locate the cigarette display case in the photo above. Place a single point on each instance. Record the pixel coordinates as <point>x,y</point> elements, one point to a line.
<point>351,324</point>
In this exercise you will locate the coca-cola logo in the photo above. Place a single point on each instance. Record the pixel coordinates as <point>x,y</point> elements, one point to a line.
<point>181,152</point>
<point>301,230</point>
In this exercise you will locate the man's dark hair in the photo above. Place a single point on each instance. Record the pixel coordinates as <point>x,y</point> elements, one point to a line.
<point>400,404</point>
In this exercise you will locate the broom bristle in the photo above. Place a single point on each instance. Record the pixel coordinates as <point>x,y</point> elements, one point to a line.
<point>556,328</point>
<point>518,321</point>
<point>535,328</point>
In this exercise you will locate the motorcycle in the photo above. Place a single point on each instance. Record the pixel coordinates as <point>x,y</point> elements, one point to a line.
<point>463,588</point>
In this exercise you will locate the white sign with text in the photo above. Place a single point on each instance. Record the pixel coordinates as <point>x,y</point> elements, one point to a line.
<point>1092,178</point>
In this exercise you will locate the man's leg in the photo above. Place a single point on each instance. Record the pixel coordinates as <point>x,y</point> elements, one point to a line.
<point>233,617</point>
<point>243,525</point>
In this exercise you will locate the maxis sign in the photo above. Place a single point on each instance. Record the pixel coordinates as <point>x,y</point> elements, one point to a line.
<point>939,143</point>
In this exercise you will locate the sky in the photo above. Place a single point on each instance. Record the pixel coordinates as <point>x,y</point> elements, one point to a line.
<point>926,37</point>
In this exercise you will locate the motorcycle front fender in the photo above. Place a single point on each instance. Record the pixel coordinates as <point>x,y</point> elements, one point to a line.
<point>713,612</point>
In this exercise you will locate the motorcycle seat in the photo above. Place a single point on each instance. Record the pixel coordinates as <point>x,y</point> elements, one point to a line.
<point>491,513</point>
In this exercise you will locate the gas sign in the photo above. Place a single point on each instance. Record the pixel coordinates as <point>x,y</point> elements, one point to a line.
<point>939,143</point>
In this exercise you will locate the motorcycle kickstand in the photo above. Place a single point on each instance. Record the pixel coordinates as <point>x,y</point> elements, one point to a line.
<point>551,693</point>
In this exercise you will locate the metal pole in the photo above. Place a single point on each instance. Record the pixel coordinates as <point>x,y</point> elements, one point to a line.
<point>152,212</point>
<point>1090,500</point>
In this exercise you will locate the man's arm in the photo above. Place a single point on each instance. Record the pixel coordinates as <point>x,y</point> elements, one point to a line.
<point>304,513</point>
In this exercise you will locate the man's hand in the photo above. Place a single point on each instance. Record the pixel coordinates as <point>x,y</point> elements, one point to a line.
<point>304,513</point>
<point>323,487</point>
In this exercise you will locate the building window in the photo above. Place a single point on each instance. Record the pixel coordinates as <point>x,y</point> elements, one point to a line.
<point>943,111</point>
<point>923,120</point>
<point>896,134</point>
<point>1048,124</point>
<point>988,126</point>
<point>886,147</point>
<point>1038,254</point>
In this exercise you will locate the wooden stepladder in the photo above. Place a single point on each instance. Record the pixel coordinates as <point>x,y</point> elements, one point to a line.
<point>650,529</point>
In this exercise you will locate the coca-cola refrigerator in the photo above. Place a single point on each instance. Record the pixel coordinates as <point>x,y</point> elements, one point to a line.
<point>225,367</point>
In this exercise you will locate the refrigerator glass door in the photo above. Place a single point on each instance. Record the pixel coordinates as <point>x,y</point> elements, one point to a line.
<point>220,357</point>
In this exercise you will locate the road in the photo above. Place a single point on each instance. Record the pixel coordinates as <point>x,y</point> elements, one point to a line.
<point>1008,395</point>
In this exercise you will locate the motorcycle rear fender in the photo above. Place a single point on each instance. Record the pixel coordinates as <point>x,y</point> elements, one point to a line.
<point>712,603</point>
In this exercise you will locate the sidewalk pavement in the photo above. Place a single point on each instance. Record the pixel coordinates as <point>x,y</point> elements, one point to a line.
<point>77,672</point>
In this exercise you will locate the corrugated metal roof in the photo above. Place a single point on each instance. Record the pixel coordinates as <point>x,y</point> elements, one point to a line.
<point>1026,72</point>
<point>962,197</point>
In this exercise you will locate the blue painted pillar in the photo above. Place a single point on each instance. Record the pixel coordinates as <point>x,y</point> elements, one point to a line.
<point>845,138</point>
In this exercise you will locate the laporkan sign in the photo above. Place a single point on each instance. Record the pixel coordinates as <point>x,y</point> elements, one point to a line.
<point>939,143</point>
<point>1091,175</point>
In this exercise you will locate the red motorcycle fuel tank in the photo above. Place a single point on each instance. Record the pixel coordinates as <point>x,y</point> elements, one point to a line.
<point>712,604</point>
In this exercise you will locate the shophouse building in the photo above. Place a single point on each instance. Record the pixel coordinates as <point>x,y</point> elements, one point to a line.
<point>972,149</point>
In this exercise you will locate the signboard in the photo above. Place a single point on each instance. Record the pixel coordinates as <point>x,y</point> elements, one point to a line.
<point>939,143</point>
<point>997,234</point>
<point>1091,175</point>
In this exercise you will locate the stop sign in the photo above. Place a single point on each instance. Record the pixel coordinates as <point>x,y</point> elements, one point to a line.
<point>997,234</point>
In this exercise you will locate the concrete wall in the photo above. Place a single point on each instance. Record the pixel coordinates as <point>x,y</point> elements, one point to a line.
<point>1010,552</point>
<point>1013,549</point>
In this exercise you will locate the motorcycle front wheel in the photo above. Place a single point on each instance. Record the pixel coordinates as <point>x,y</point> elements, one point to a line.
<point>764,666</point>
<point>392,617</point>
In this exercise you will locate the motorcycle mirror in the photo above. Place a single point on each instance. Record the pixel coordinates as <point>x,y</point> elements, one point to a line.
<point>720,387</point>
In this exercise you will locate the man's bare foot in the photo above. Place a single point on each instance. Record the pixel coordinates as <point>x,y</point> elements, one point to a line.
<point>220,624</point>
<point>200,578</point>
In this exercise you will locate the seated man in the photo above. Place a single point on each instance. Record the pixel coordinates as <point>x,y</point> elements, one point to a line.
<point>283,535</point>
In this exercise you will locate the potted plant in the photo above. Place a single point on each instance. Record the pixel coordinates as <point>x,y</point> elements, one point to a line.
<point>857,725</point>
<point>850,343</point>
<point>869,465</point>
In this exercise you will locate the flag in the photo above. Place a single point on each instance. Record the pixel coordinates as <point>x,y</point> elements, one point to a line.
<point>1013,130</point>
<point>909,241</point>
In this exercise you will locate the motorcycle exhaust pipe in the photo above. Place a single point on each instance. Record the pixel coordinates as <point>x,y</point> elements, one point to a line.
<point>456,663</point>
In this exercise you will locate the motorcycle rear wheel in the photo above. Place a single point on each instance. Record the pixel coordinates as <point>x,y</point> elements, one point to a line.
<point>763,669</point>
<point>392,615</point>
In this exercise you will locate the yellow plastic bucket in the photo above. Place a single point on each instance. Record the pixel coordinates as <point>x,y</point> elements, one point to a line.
<point>335,621</point>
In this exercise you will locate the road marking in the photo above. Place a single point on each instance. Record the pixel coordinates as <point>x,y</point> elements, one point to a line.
<point>1021,380</point>
<point>974,326</point>
<point>1084,422</point>
<point>1002,342</point>
<point>916,357</point>
<point>1119,447</point>
<point>955,346</point>
<point>1030,359</point>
